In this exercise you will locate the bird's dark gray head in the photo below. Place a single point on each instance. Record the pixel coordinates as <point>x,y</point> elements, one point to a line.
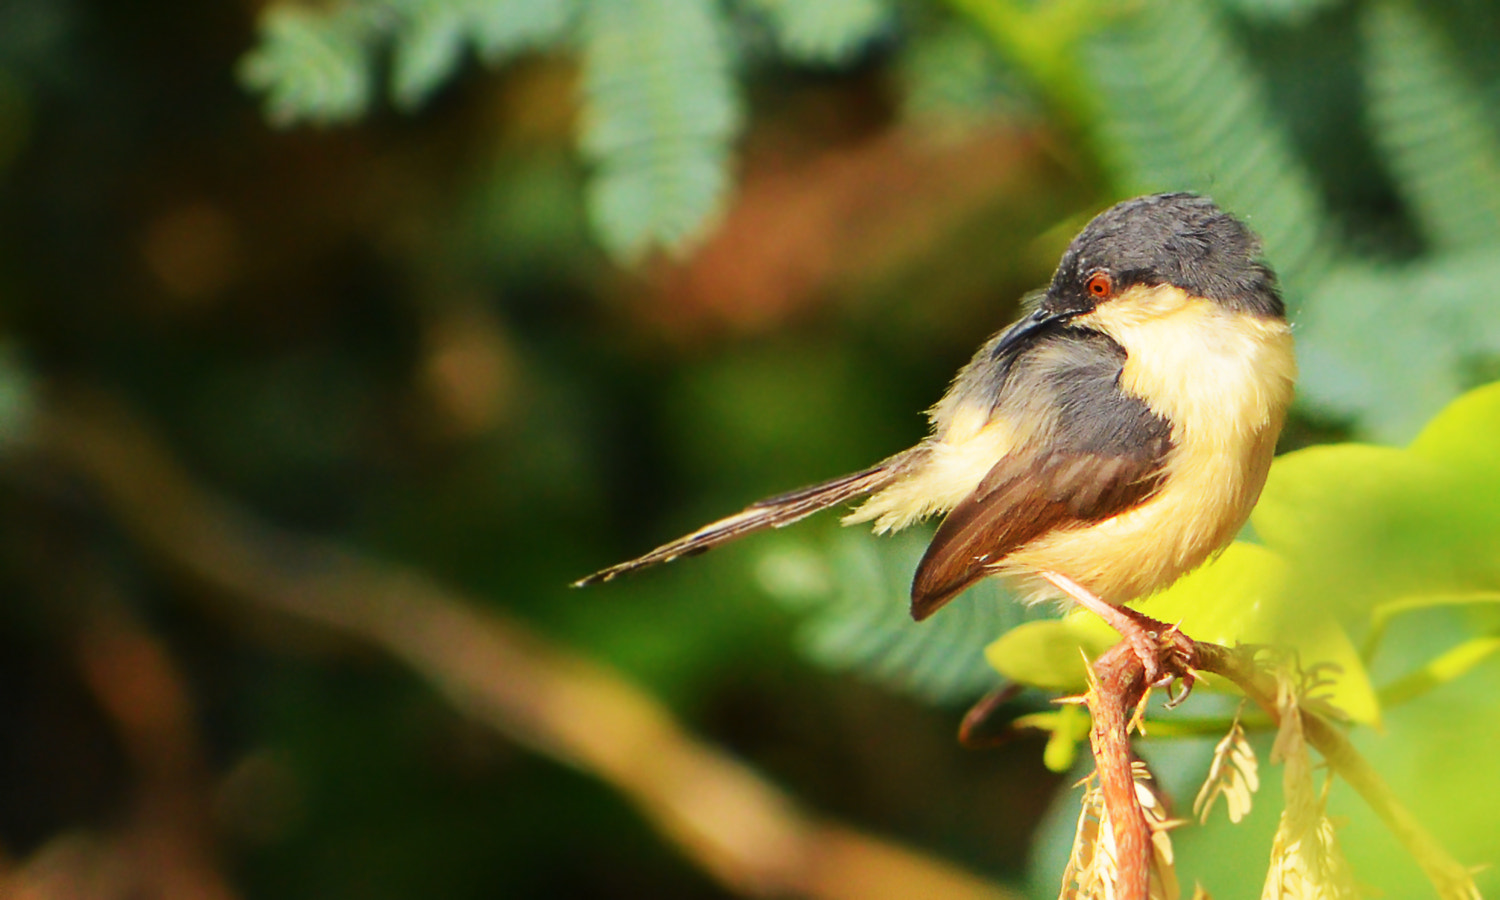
<point>1179,239</point>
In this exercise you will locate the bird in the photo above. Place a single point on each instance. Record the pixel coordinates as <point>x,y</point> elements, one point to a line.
<point>1106,443</point>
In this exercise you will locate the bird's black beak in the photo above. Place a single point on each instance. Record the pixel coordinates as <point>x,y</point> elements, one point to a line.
<point>1021,333</point>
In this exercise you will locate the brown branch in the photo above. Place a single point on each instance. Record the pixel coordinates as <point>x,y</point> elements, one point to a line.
<point>740,829</point>
<point>1119,684</point>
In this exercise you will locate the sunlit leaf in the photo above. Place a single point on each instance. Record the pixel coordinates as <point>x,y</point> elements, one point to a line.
<point>1050,654</point>
<point>1363,525</point>
<point>1245,597</point>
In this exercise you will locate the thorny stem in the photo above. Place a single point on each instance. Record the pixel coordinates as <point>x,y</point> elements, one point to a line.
<point>1118,686</point>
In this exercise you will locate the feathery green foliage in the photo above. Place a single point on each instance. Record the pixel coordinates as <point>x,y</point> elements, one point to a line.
<point>826,32</point>
<point>1184,109</point>
<point>431,36</point>
<point>953,77</point>
<point>1387,343</point>
<point>1432,126</point>
<point>313,67</point>
<point>660,110</point>
<point>1280,11</point>
<point>854,593</point>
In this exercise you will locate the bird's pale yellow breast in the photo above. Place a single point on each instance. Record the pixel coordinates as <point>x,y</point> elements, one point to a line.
<point>1223,380</point>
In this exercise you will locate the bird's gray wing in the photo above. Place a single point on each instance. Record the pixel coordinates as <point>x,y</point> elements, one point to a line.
<point>1098,453</point>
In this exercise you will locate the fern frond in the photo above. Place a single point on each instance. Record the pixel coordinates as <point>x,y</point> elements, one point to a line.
<point>1432,127</point>
<point>855,596</point>
<point>826,31</point>
<point>660,111</point>
<point>313,67</point>
<point>952,75</point>
<point>432,36</point>
<point>1184,109</point>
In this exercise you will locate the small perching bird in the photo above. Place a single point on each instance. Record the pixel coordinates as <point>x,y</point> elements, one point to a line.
<point>1100,447</point>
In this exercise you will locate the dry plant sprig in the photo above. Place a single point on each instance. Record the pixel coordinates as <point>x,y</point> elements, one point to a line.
<point>1093,870</point>
<point>1306,861</point>
<point>1233,774</point>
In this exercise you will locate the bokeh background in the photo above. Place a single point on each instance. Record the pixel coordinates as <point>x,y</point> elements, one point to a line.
<point>337,338</point>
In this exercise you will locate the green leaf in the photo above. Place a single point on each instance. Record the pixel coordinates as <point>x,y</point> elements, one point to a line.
<point>312,67</point>
<point>660,112</point>
<point>1051,654</point>
<point>827,31</point>
<point>1184,109</point>
<point>432,36</point>
<point>1245,596</point>
<point>1364,526</point>
<point>1433,127</point>
<point>501,28</point>
<point>1447,667</point>
<point>1466,434</point>
<point>1066,728</point>
<point>1238,598</point>
<point>1382,615</point>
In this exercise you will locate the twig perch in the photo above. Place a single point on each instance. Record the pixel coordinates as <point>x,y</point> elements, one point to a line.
<point>1119,684</point>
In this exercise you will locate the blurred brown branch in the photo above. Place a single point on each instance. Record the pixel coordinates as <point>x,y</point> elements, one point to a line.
<point>138,685</point>
<point>851,214</point>
<point>743,831</point>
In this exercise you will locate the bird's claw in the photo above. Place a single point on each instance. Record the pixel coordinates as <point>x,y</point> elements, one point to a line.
<point>1166,656</point>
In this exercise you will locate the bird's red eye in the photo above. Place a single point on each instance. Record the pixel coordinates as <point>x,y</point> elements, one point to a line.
<point>1101,285</point>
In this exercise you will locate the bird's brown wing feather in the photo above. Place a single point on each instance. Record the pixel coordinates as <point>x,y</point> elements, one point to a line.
<point>1097,452</point>
<point>772,512</point>
<point>1019,501</point>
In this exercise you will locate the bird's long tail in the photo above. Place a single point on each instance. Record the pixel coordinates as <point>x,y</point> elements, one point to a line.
<point>772,512</point>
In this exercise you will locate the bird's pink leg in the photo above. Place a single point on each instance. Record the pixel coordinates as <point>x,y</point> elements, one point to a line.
<point>1164,651</point>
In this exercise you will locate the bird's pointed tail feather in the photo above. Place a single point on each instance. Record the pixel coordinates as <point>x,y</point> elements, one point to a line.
<point>772,512</point>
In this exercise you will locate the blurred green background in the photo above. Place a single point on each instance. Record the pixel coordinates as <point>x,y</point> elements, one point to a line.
<point>498,292</point>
